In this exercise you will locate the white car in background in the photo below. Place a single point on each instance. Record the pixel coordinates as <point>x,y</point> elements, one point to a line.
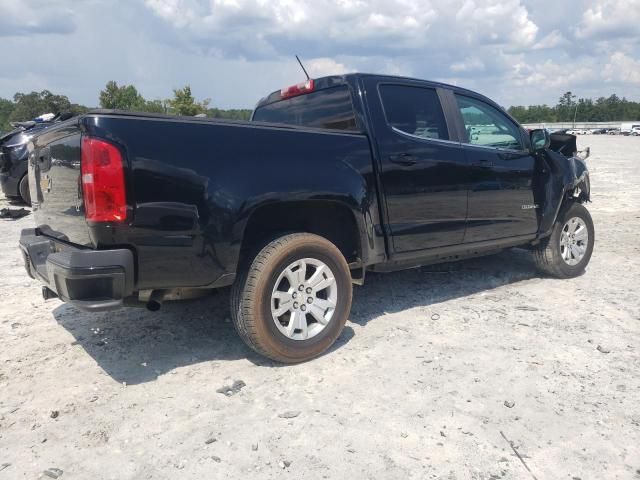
<point>627,128</point>
<point>635,131</point>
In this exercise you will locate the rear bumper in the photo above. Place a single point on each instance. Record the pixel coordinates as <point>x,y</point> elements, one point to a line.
<point>92,280</point>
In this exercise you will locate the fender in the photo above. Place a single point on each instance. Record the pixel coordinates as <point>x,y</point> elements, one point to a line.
<point>347,189</point>
<point>559,179</point>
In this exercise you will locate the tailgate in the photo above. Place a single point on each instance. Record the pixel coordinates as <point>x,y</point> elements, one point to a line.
<point>54,183</point>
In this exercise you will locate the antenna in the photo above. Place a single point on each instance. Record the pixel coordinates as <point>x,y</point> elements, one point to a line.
<point>303,69</point>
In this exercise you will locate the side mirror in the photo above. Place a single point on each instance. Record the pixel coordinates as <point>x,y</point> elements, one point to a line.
<point>540,139</point>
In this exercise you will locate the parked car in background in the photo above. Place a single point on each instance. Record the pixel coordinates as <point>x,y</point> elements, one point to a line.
<point>627,128</point>
<point>599,131</point>
<point>576,131</point>
<point>332,178</point>
<point>635,131</point>
<point>13,155</point>
<point>613,131</point>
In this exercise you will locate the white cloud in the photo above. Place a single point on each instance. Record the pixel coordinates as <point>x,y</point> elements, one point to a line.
<point>622,69</point>
<point>320,67</point>
<point>236,51</point>
<point>468,65</point>
<point>346,27</point>
<point>27,18</point>
<point>488,21</point>
<point>610,19</point>
<point>551,74</point>
<point>552,40</point>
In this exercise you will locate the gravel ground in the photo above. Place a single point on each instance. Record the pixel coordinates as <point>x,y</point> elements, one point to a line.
<point>480,369</point>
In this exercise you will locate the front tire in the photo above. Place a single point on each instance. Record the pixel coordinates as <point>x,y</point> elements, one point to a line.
<point>291,303</point>
<point>566,253</point>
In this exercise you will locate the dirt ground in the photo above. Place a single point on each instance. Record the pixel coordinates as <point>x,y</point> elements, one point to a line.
<point>441,372</point>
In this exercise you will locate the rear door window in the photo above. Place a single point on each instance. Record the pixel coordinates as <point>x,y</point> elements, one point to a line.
<point>326,108</point>
<point>487,126</point>
<point>414,110</point>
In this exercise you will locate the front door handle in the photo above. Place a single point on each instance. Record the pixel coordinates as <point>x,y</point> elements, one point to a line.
<point>403,159</point>
<point>483,163</point>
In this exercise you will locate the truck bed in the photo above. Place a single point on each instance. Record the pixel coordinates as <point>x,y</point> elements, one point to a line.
<point>192,184</point>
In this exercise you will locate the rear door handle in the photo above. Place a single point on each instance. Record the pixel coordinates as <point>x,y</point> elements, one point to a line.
<point>403,159</point>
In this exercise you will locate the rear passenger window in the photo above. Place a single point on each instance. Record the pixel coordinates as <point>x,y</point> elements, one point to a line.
<point>414,110</point>
<point>326,108</point>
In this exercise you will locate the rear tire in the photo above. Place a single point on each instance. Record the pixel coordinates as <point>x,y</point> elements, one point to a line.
<point>566,253</point>
<point>292,321</point>
<point>23,190</point>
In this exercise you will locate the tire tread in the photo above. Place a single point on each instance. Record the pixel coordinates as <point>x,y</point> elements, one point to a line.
<point>244,289</point>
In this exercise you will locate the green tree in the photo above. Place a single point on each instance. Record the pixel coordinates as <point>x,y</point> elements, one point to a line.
<point>603,109</point>
<point>30,105</point>
<point>233,114</point>
<point>154,106</point>
<point>6,107</point>
<point>77,109</point>
<point>183,103</point>
<point>566,107</point>
<point>125,97</point>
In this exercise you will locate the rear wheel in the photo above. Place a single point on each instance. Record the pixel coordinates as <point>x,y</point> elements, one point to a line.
<point>567,252</point>
<point>23,190</point>
<point>291,303</point>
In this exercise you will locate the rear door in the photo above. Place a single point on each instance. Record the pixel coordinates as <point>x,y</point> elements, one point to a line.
<point>424,174</point>
<point>501,200</point>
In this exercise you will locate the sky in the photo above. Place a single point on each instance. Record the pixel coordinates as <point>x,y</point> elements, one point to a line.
<point>518,52</point>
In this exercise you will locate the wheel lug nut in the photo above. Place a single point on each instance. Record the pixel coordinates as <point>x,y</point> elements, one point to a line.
<point>309,290</point>
<point>303,308</point>
<point>310,300</point>
<point>295,304</point>
<point>295,295</point>
<point>301,287</point>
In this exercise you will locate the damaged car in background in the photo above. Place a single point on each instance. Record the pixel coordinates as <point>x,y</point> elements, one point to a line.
<point>13,154</point>
<point>332,178</point>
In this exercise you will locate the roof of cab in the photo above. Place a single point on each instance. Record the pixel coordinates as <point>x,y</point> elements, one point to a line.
<point>336,80</point>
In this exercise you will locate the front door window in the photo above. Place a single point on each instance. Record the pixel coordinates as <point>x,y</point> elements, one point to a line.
<point>487,126</point>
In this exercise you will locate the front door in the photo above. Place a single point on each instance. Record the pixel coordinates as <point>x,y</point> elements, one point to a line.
<point>424,174</point>
<point>501,200</point>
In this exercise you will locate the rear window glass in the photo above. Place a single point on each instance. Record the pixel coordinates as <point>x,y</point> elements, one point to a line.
<point>414,110</point>
<point>327,108</point>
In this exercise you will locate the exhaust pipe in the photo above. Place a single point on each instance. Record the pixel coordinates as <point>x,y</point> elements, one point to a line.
<point>155,300</point>
<point>47,293</point>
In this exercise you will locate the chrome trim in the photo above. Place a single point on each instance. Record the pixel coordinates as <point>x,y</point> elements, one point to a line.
<point>497,149</point>
<point>441,140</point>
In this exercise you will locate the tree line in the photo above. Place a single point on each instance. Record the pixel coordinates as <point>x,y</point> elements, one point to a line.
<point>26,106</point>
<point>568,108</point>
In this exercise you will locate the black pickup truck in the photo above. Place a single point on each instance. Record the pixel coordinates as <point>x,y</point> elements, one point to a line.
<point>331,178</point>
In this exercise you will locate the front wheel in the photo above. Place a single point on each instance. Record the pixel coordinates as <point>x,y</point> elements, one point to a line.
<point>291,303</point>
<point>566,253</point>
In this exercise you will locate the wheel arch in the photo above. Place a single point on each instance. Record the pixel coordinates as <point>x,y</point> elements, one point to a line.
<point>333,220</point>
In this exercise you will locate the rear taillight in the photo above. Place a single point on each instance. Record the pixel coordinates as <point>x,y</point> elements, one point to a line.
<point>103,189</point>
<point>299,89</point>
